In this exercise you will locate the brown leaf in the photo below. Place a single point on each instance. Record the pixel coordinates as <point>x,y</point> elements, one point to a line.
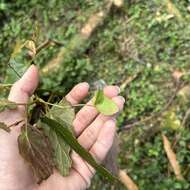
<point>172,157</point>
<point>35,148</point>
<point>30,45</point>
<point>4,127</point>
<point>127,181</point>
<point>172,9</point>
<point>177,74</point>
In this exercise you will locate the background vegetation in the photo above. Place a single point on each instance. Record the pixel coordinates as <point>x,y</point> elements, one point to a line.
<point>144,47</point>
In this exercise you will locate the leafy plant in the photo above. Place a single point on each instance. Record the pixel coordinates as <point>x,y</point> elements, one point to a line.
<point>48,143</point>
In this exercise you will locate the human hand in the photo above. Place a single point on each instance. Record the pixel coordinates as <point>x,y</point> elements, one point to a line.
<point>94,132</point>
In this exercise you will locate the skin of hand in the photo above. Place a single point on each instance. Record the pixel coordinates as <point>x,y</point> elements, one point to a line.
<point>94,132</point>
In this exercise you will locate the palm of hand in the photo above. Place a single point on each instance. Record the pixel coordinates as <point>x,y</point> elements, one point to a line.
<point>91,129</point>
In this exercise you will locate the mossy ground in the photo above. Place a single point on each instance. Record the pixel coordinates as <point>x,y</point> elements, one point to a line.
<point>143,38</point>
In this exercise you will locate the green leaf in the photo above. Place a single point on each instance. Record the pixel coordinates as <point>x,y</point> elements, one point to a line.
<point>18,62</point>
<point>103,104</point>
<point>4,127</point>
<point>35,148</point>
<point>61,153</point>
<point>61,148</point>
<point>66,114</point>
<point>6,104</point>
<point>69,138</point>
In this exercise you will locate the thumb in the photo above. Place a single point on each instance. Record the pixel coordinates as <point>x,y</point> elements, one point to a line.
<point>24,88</point>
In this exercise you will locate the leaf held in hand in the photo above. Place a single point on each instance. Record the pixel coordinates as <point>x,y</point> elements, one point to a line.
<point>61,148</point>
<point>103,104</point>
<point>35,148</point>
<point>66,113</point>
<point>4,127</point>
<point>61,153</point>
<point>18,62</point>
<point>69,138</point>
<point>6,104</point>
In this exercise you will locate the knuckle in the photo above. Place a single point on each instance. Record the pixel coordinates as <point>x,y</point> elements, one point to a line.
<point>90,135</point>
<point>82,117</point>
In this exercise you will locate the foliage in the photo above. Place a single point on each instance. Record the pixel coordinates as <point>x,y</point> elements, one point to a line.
<point>104,104</point>
<point>66,134</point>
<point>143,37</point>
<point>36,150</point>
<point>61,148</point>
<point>6,104</point>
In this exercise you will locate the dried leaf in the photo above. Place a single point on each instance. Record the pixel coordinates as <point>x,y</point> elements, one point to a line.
<point>6,104</point>
<point>4,127</point>
<point>67,135</point>
<point>30,45</point>
<point>177,75</point>
<point>172,9</point>
<point>35,148</point>
<point>104,104</point>
<point>172,157</point>
<point>61,148</point>
<point>127,181</point>
<point>162,18</point>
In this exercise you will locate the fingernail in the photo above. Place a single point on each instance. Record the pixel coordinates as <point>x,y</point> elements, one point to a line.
<point>85,84</point>
<point>122,98</point>
<point>118,89</point>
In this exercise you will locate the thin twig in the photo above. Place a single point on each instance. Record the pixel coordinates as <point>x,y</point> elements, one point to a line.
<point>63,107</point>
<point>13,69</point>
<point>129,80</point>
<point>47,43</point>
<point>6,85</point>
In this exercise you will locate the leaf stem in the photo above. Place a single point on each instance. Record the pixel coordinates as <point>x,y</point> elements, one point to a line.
<point>51,104</point>
<point>6,85</point>
<point>14,70</point>
<point>77,105</point>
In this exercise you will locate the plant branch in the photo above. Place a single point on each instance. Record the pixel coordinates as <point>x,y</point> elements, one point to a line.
<point>47,43</point>
<point>10,66</point>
